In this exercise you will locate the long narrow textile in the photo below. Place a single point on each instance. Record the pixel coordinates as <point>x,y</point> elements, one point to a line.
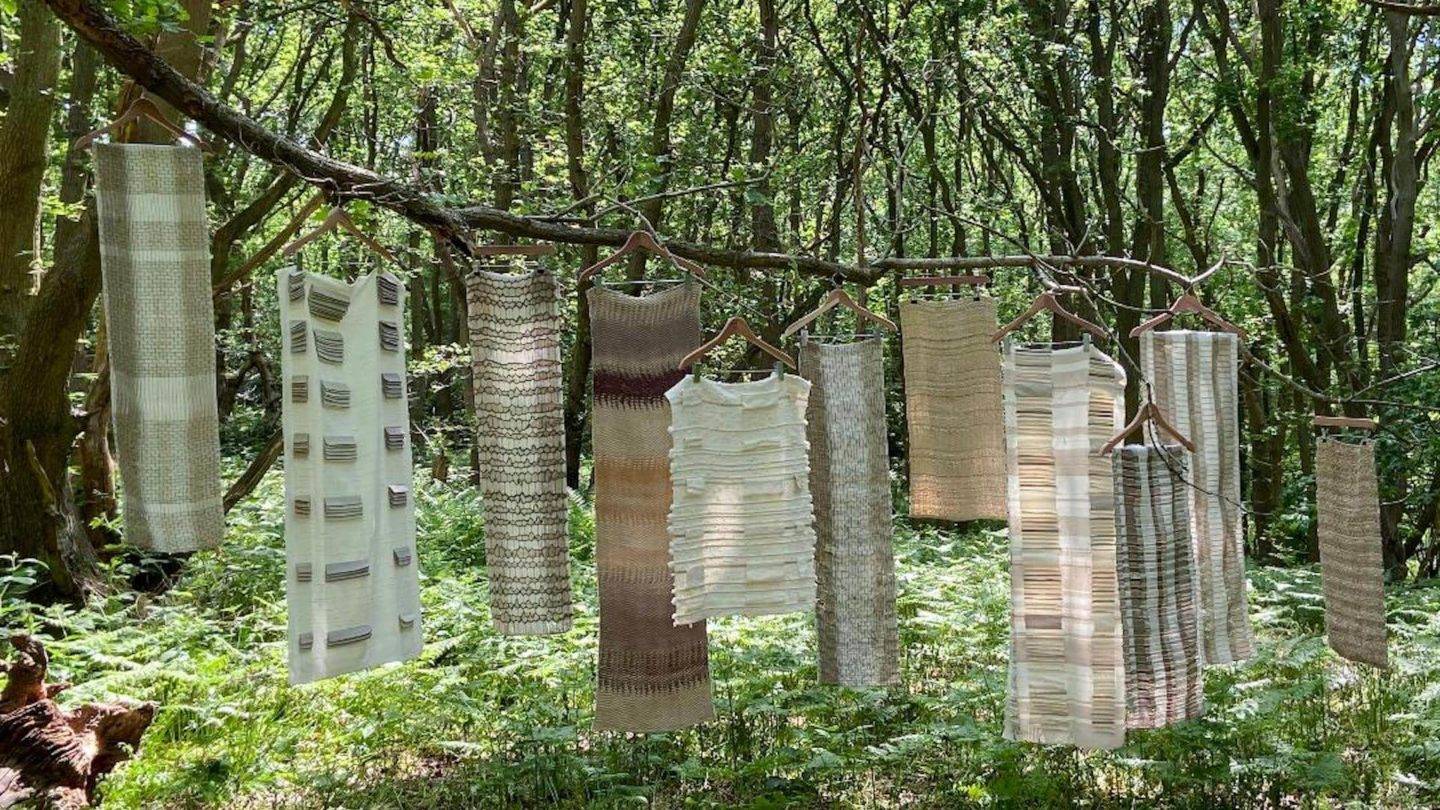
<point>351,581</point>
<point>1067,671</point>
<point>742,534</point>
<point>1192,377</point>
<point>850,485</point>
<point>515,348</point>
<point>155,259</point>
<point>1352,573</point>
<point>1159,591</point>
<point>654,676</point>
<point>952,405</point>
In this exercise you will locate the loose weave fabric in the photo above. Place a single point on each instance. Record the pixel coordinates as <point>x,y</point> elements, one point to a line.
<point>1192,377</point>
<point>351,581</point>
<point>515,348</point>
<point>1352,574</point>
<point>1159,591</point>
<point>952,405</point>
<point>742,533</point>
<point>155,260</point>
<point>1067,671</point>
<point>850,485</point>
<point>653,676</point>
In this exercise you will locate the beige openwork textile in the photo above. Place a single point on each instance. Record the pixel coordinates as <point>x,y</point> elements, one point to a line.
<point>850,486</point>
<point>1192,376</point>
<point>1067,673</point>
<point>742,533</point>
<point>1159,592</point>
<point>351,581</point>
<point>952,404</point>
<point>654,676</point>
<point>519,412</point>
<point>1352,573</point>
<point>155,259</point>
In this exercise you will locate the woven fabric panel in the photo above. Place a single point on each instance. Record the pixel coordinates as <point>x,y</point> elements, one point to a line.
<point>742,533</point>
<point>1067,670</point>
<point>155,259</point>
<point>1352,573</point>
<point>850,485</point>
<point>952,405</point>
<point>1192,376</point>
<point>1159,591</point>
<point>351,581</point>
<point>653,675</point>
<point>515,348</point>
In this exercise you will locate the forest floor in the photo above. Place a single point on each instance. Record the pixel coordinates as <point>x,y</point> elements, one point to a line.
<point>481,720</point>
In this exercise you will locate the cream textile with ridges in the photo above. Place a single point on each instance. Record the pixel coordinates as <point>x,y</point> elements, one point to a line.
<point>1352,566</point>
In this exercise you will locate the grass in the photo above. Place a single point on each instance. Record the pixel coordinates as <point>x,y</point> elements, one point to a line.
<point>485,721</point>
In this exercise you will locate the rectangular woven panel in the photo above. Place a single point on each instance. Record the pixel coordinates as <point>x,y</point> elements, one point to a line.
<point>155,260</point>
<point>653,675</point>
<point>1352,572</point>
<point>1067,670</point>
<point>515,351</point>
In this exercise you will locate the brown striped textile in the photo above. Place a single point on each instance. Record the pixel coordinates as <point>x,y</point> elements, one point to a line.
<point>952,405</point>
<point>1352,574</point>
<point>653,675</point>
<point>155,259</point>
<point>1067,673</point>
<point>850,486</point>
<point>515,350</point>
<point>1159,592</point>
<point>1192,377</point>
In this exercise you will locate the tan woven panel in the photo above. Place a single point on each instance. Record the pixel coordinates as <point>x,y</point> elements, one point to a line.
<point>1352,573</point>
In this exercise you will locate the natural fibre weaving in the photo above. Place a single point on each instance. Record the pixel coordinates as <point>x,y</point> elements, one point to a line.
<point>1067,673</point>
<point>155,260</point>
<point>654,676</point>
<point>952,406</point>
<point>850,486</point>
<point>1192,377</point>
<point>1159,592</point>
<point>1352,575</point>
<point>515,349</point>
<point>351,581</point>
<point>742,534</point>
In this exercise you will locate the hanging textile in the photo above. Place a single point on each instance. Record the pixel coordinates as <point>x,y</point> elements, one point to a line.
<point>654,675</point>
<point>1192,378</point>
<point>519,412</point>
<point>351,581</point>
<point>952,406</point>
<point>1159,592</point>
<point>1067,673</point>
<point>1352,574</point>
<point>742,535</point>
<point>160,332</point>
<point>850,485</point>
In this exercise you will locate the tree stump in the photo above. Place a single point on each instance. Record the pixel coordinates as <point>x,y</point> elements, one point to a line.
<point>51,757</point>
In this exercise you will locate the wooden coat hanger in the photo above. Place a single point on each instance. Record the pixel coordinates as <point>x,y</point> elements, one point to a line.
<point>1148,412</point>
<point>1346,422</point>
<point>142,107</point>
<point>735,327</point>
<point>1189,303</point>
<point>642,240</point>
<point>1048,301</point>
<point>337,218</point>
<point>839,298</point>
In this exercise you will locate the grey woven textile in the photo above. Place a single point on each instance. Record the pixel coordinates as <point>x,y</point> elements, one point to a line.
<point>850,487</point>
<point>1352,574</point>
<point>155,259</point>
<point>1159,590</point>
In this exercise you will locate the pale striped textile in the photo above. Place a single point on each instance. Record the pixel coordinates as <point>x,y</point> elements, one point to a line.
<point>155,259</point>
<point>520,438</point>
<point>850,486</point>
<point>1159,592</point>
<point>1192,376</point>
<point>742,533</point>
<point>1067,673</point>
<point>1352,572</point>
